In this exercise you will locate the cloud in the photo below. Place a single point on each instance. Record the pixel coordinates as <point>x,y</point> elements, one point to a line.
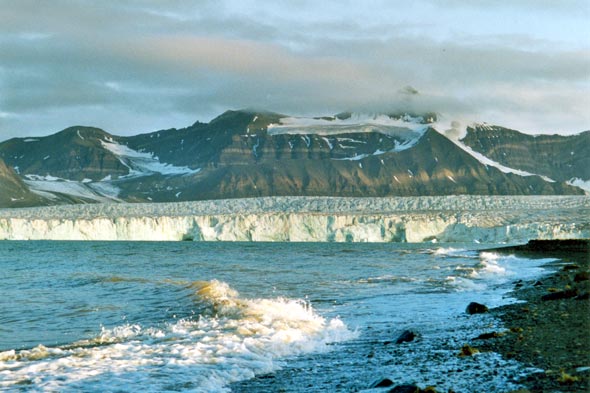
<point>143,65</point>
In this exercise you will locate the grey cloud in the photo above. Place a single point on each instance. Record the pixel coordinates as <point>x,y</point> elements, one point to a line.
<point>135,65</point>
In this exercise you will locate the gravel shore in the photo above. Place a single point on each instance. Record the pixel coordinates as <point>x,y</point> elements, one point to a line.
<point>551,330</point>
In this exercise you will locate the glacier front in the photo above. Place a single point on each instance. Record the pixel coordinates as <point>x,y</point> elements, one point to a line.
<point>483,219</point>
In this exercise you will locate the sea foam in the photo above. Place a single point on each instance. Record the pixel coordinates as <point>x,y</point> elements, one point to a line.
<point>232,339</point>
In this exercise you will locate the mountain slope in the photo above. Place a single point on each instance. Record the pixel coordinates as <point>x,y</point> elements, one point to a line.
<point>249,154</point>
<point>13,191</point>
<point>560,158</point>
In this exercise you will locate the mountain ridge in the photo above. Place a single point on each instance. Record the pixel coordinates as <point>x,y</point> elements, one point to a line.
<point>249,153</point>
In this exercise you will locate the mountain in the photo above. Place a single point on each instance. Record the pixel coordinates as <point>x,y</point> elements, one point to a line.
<point>75,153</point>
<point>252,153</point>
<point>561,158</point>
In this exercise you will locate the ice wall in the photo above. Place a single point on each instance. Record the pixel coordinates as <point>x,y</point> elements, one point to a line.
<point>445,219</point>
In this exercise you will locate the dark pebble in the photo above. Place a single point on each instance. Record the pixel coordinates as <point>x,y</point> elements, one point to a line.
<point>582,276</point>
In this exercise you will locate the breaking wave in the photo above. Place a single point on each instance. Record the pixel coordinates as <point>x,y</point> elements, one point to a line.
<point>230,339</point>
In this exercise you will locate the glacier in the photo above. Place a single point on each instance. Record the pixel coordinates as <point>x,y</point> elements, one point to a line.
<point>480,219</point>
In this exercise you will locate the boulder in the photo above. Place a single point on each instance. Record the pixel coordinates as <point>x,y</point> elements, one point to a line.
<point>406,337</point>
<point>384,383</point>
<point>406,389</point>
<point>487,336</point>
<point>476,308</point>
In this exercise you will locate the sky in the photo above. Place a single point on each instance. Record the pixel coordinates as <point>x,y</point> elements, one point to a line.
<point>134,66</point>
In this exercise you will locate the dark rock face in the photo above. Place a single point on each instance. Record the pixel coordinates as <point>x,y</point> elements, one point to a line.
<point>476,308</point>
<point>237,155</point>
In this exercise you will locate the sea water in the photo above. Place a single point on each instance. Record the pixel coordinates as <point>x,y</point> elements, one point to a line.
<point>250,317</point>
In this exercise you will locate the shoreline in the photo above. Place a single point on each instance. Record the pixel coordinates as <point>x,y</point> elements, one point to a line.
<point>551,329</point>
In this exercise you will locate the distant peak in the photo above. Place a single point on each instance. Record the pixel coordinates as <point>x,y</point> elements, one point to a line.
<point>84,131</point>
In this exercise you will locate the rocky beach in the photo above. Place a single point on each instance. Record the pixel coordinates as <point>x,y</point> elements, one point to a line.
<point>550,330</point>
<point>546,332</point>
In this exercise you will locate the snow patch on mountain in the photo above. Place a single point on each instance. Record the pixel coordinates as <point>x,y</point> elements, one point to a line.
<point>456,133</point>
<point>577,182</point>
<point>143,164</point>
<point>406,128</point>
<point>49,186</point>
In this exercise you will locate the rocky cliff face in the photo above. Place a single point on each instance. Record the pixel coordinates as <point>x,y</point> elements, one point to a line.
<point>252,154</point>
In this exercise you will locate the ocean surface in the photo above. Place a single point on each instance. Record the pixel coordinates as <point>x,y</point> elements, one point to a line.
<point>250,317</point>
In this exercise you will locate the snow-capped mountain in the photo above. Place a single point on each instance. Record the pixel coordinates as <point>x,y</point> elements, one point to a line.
<point>250,154</point>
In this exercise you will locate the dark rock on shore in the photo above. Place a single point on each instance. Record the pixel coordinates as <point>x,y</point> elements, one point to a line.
<point>476,308</point>
<point>568,250</point>
<point>487,336</point>
<point>567,294</point>
<point>406,337</point>
<point>411,389</point>
<point>384,383</point>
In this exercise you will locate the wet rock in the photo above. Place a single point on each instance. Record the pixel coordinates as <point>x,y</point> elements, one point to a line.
<point>583,296</point>
<point>406,389</point>
<point>476,308</point>
<point>537,283</point>
<point>567,379</point>
<point>582,276</point>
<point>384,383</point>
<point>570,267</point>
<point>467,350</point>
<point>567,294</point>
<point>487,336</point>
<point>406,337</point>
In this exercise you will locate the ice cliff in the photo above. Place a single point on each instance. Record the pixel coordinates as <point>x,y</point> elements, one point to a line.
<point>489,219</point>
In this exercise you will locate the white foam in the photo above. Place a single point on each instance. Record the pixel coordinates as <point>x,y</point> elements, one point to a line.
<point>240,337</point>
